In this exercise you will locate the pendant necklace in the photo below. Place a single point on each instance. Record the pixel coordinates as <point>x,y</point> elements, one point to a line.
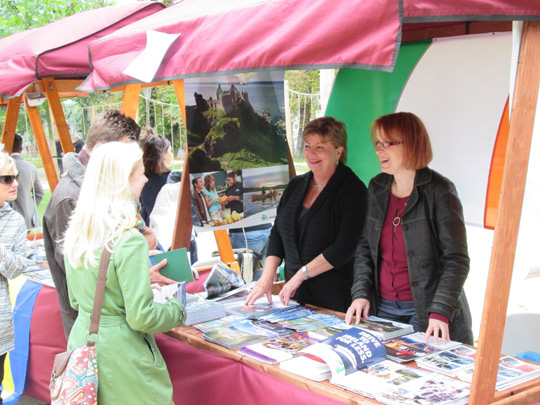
<point>397,220</point>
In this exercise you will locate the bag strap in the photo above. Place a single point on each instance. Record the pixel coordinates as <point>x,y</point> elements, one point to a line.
<point>100,292</point>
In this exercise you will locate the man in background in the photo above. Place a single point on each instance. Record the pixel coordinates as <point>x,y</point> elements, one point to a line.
<point>198,202</point>
<point>30,191</point>
<point>109,126</point>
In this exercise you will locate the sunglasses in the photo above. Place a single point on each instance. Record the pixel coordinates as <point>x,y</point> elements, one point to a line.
<point>9,178</point>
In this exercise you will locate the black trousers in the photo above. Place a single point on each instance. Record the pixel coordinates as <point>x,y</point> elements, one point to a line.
<point>2,361</point>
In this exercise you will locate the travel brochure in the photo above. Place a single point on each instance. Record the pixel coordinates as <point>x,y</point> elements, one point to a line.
<point>412,347</point>
<point>279,349</point>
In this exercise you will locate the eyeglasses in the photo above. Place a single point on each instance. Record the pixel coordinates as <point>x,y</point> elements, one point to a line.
<point>8,179</point>
<point>385,144</point>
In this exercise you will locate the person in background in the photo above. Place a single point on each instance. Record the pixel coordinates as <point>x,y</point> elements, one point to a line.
<point>109,126</point>
<point>129,317</point>
<point>319,221</point>
<point>30,191</point>
<point>211,197</point>
<point>158,159</point>
<point>12,253</point>
<point>412,261</point>
<point>78,143</point>
<point>234,192</point>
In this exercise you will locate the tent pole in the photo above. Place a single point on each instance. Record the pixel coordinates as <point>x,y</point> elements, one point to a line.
<point>49,85</point>
<point>130,101</point>
<point>43,146</point>
<point>508,218</point>
<point>10,123</point>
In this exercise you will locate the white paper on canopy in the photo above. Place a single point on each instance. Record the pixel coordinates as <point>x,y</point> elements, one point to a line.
<point>145,66</point>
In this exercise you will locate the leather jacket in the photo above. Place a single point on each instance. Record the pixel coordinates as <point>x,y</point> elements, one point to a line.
<point>436,247</point>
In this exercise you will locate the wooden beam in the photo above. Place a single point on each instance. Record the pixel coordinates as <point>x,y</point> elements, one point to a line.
<point>49,85</point>
<point>178,86</point>
<point>10,123</point>
<point>130,102</point>
<point>529,396</point>
<point>423,31</point>
<point>183,222</point>
<point>43,147</point>
<point>509,215</point>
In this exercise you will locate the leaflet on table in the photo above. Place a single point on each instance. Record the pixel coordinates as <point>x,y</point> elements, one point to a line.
<point>412,347</point>
<point>384,328</point>
<point>166,292</point>
<point>326,332</point>
<point>459,363</point>
<point>346,352</point>
<point>291,312</point>
<point>433,389</point>
<point>245,332</point>
<point>259,308</point>
<point>221,279</point>
<point>276,350</point>
<point>234,295</point>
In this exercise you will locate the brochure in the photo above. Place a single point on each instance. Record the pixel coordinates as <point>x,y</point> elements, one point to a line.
<point>412,347</point>
<point>384,329</point>
<point>177,267</point>
<point>221,280</point>
<point>166,292</point>
<point>279,349</point>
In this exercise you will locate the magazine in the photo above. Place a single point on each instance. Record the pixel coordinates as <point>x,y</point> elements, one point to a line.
<point>234,295</point>
<point>279,349</point>
<point>412,347</point>
<point>344,353</point>
<point>384,329</point>
<point>245,332</point>
<point>221,279</point>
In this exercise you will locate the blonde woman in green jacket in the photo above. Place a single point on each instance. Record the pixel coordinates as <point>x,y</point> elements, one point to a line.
<point>131,368</point>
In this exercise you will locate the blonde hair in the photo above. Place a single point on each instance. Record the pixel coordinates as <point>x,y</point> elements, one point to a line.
<point>106,206</point>
<point>7,163</point>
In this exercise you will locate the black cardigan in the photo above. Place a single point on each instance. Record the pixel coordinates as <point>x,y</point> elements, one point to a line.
<point>332,226</point>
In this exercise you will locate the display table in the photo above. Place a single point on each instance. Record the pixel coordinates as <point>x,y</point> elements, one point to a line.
<point>201,372</point>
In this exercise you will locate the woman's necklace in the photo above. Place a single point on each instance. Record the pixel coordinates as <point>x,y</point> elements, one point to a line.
<point>399,215</point>
<point>317,185</point>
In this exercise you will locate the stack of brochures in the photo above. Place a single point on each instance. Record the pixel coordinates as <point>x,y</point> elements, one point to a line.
<point>203,311</point>
<point>459,363</point>
<point>260,308</point>
<point>384,329</point>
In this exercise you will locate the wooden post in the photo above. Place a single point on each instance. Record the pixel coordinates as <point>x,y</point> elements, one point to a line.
<point>508,218</point>
<point>43,147</point>
<point>49,85</point>
<point>130,102</point>
<point>10,123</point>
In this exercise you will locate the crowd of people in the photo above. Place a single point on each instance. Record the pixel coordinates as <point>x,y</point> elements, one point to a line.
<point>396,249</point>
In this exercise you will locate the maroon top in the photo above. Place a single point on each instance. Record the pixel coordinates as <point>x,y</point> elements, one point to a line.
<point>394,272</point>
<point>394,276</point>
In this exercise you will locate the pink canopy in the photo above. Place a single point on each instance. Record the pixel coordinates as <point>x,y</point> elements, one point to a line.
<point>60,49</point>
<point>218,37</point>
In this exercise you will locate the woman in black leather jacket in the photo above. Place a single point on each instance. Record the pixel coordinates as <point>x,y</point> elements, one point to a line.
<point>412,260</point>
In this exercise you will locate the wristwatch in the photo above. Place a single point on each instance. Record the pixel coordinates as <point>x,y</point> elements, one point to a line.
<point>306,274</point>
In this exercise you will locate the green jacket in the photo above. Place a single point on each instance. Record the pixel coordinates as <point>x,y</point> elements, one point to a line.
<point>131,368</point>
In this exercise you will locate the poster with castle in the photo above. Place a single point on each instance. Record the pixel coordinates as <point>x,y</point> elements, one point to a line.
<point>237,148</point>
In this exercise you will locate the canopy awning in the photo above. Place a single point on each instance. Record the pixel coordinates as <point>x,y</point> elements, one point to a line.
<point>60,49</point>
<point>217,37</point>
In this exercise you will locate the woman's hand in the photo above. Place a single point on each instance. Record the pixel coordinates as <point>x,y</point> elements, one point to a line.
<point>360,308</point>
<point>263,286</point>
<point>290,287</point>
<point>434,327</point>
